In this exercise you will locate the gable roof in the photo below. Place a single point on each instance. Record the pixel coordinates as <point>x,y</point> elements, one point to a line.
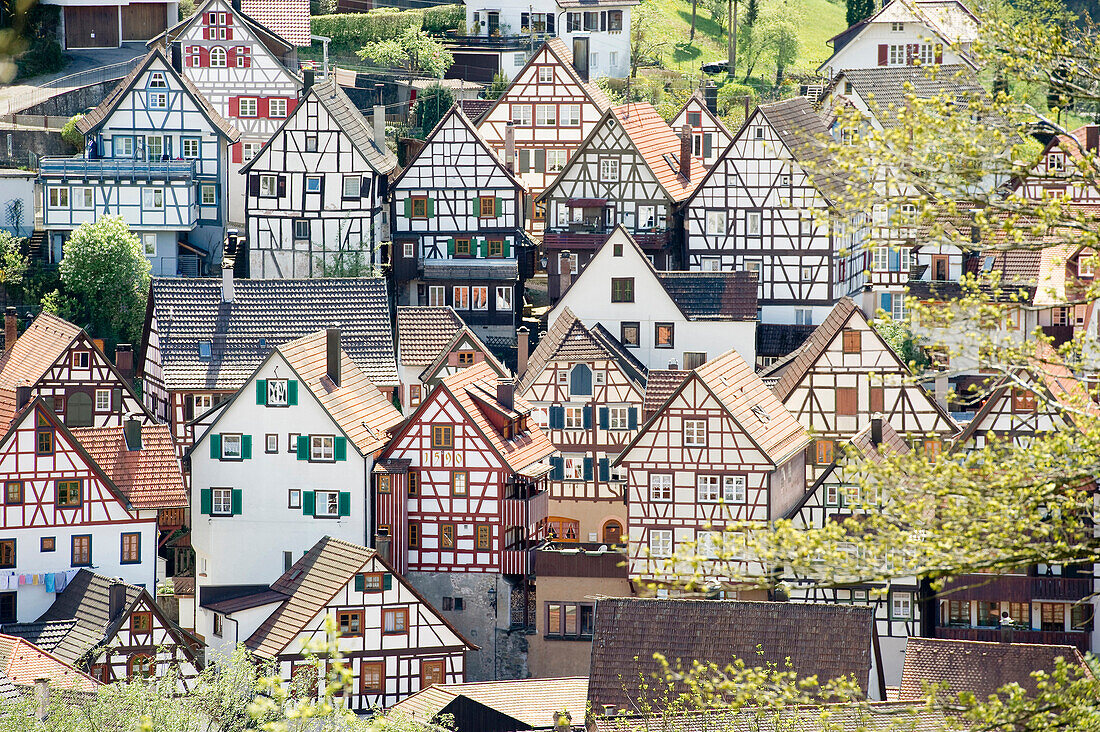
<point>22,663</point>
<point>265,314</point>
<point>780,339</point>
<point>978,667</point>
<point>310,584</point>
<point>828,641</point>
<point>34,352</point>
<point>699,100</point>
<point>149,477</point>
<point>655,140</point>
<point>274,43</point>
<point>662,384</point>
<point>806,137</point>
<point>569,340</point>
<point>94,119</point>
<point>886,89</point>
<point>347,116</point>
<point>840,717</point>
<point>356,405</point>
<point>424,331</point>
<point>287,18</point>
<point>466,334</point>
<point>530,702</point>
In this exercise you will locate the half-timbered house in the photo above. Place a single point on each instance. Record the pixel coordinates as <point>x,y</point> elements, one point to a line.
<point>114,631</point>
<point>246,70</point>
<point>844,376</point>
<point>460,491</point>
<point>709,135</point>
<point>392,639</point>
<point>457,226</point>
<point>663,318</point>
<point>767,206</point>
<point>204,338</point>
<point>632,170</point>
<point>552,108</point>
<point>722,448</point>
<point>1056,172</point>
<point>157,155</point>
<point>316,189</point>
<point>286,461</point>
<point>587,393</point>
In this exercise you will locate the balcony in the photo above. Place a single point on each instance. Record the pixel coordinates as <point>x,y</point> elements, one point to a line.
<point>566,561</point>
<point>172,518</point>
<point>590,239</point>
<point>525,512</point>
<point>117,169</point>
<point>515,561</point>
<point>1016,588</point>
<point>1059,334</point>
<point>1079,639</point>
<point>514,42</point>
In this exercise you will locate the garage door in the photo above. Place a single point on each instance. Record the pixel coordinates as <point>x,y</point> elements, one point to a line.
<point>91,27</point>
<point>142,21</point>
<point>477,67</point>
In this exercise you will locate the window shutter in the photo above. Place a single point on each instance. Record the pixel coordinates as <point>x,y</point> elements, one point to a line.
<point>524,161</point>
<point>340,448</point>
<point>204,56</point>
<point>308,501</point>
<point>253,179</point>
<point>303,447</point>
<point>232,57</point>
<point>708,144</point>
<point>498,207</point>
<point>939,53</point>
<point>292,392</point>
<point>557,417</point>
<point>237,501</point>
<point>507,248</point>
<point>431,207</point>
<point>605,470</point>
<point>345,503</point>
<point>206,33</point>
<point>895,260</point>
<point>877,399</point>
<point>882,54</point>
<point>234,106</point>
<point>408,208</point>
<point>886,302</point>
<point>587,468</point>
<point>188,408</point>
<point>282,186</point>
<point>450,247</point>
<point>540,161</point>
<point>557,468</point>
<point>364,184</point>
<point>603,418</point>
<point>215,447</point>
<point>633,417</point>
<point>358,582</point>
<point>587,416</point>
<point>206,501</point>
<point>229,30</point>
<point>387,581</point>
<point>261,391</point>
<point>246,447</point>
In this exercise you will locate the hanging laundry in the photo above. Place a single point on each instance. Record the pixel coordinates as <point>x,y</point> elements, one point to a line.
<point>3,581</point>
<point>61,581</point>
<point>49,582</point>
<point>22,579</point>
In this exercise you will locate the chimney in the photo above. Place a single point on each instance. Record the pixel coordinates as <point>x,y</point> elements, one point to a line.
<point>132,431</point>
<point>565,272</point>
<point>523,349</point>
<point>42,697</point>
<point>685,151</point>
<point>380,127</point>
<point>673,365</point>
<point>116,600</point>
<point>942,387</point>
<point>177,57</point>
<point>22,396</point>
<point>748,100</point>
<point>11,328</point>
<point>876,429</point>
<point>378,90</point>
<point>710,96</point>
<point>506,389</point>
<point>1092,138</point>
<point>382,546</point>
<point>98,344</point>
<point>510,147</point>
<point>124,360</point>
<point>332,355</point>
<point>227,280</point>
<point>307,81</point>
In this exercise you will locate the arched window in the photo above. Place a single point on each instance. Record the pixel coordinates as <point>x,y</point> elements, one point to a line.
<point>78,410</point>
<point>141,666</point>
<point>613,532</point>
<point>217,56</point>
<point>580,380</point>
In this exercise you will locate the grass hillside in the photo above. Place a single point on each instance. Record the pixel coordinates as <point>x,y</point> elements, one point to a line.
<point>816,20</point>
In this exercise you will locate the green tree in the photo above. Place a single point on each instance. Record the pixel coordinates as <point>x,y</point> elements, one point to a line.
<point>645,22</point>
<point>71,135</point>
<point>13,265</point>
<point>413,51</point>
<point>431,105</point>
<point>497,87</point>
<point>104,281</point>
<point>857,10</point>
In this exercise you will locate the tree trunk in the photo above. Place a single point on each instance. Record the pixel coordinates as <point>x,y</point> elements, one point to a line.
<point>694,4</point>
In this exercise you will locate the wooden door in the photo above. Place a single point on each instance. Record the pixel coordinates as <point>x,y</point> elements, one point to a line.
<point>142,21</point>
<point>95,26</point>
<point>612,533</point>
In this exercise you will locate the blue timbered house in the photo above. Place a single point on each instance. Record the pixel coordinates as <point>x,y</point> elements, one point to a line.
<point>156,154</point>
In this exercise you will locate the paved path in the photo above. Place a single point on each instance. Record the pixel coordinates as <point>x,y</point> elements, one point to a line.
<point>29,91</point>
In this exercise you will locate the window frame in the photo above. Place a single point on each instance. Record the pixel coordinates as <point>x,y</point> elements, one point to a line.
<point>86,540</point>
<point>622,289</point>
<point>218,498</point>
<point>68,485</point>
<point>8,499</point>
<point>662,493</point>
<point>658,341</point>
<point>443,437</point>
<point>691,432</point>
<point>355,190</point>
<point>395,613</point>
<point>8,546</point>
<point>460,487</point>
<point>351,615</point>
<point>318,448</point>
<point>226,439</point>
<point>128,555</point>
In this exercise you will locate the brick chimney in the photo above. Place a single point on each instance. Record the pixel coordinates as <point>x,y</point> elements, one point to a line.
<point>11,328</point>
<point>382,544</point>
<point>116,600</point>
<point>565,272</point>
<point>22,396</point>
<point>124,360</point>
<point>685,151</point>
<point>227,280</point>
<point>510,147</point>
<point>332,355</point>
<point>876,429</point>
<point>1092,138</point>
<point>132,432</point>
<point>380,127</point>
<point>506,390</point>
<point>523,349</point>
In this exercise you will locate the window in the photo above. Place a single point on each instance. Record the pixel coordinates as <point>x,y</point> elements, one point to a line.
<point>570,620</point>
<point>247,107</point>
<point>447,536</point>
<point>555,160</point>
<point>901,605</point>
<point>484,537</point>
<point>647,217</point>
<point>622,289</point>
<point>853,341</point>
<point>614,20</point>
<point>570,115</point>
<point>1023,401</point>
<point>609,170</point>
<point>218,620</point>
<point>846,397</point>
<point>221,501</point>
<point>708,543</point>
<point>414,534</point>
<point>68,493</point>
<point>301,229</point>
<point>44,442</point>
<point>707,488</point>
<point>311,146</point>
<point>352,187</point>
<point>487,207</point>
<point>479,298</point>
<point>276,392</point>
<point>294,498</point>
<point>1052,616</point>
<point>59,197</point>
<point>277,108</point>
<point>141,666</point>
<point>662,337</point>
<point>618,418</point>
<point>824,452</point>
<point>326,504</point>
<point>350,623</point>
<point>716,222</point>
<point>431,673</point>
<point>13,492</point>
<point>195,53</point>
<point>442,437</point>
<point>630,334</point>
<point>465,358</point>
<point>461,298</point>
<point>395,621</point>
<point>521,115</point>
<point>82,551</point>
<point>218,57</point>
<point>7,607</point>
<point>131,548</point>
<point>154,147</point>
<point>880,259</point>
<point>269,186</point>
<point>250,149</point>
<point>694,359</point>
<point>141,622</point>
<point>546,115</point>
<point>462,247</point>
<point>372,581</point>
<point>695,433</point>
<point>897,27</point>
<point>460,483</point>
<point>158,100</point>
<point>372,677</point>
<point>322,448</point>
<point>660,542</point>
<point>752,223</point>
<point>573,467</point>
<point>304,679</point>
<point>7,553</point>
<point>152,199</point>
<point>734,488</point>
<point>496,248</point>
<point>208,194</point>
<point>546,74</point>
<point>504,299</point>
<point>244,61</point>
<point>271,443</point>
<point>124,147</point>
<point>232,447</point>
<point>1056,163</point>
<point>82,198</point>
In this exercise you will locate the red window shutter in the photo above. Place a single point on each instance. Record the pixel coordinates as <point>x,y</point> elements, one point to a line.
<point>229,18</point>
<point>245,56</point>
<point>206,33</point>
<point>204,56</point>
<point>883,50</point>
<point>261,107</point>
<point>232,57</point>
<point>187,55</point>
<point>229,28</point>
<point>237,155</point>
<point>291,104</point>
<point>234,106</point>
<point>939,53</point>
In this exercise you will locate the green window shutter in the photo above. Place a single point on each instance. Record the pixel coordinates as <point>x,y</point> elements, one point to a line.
<point>246,447</point>
<point>215,447</point>
<point>498,208</point>
<point>524,161</point>
<point>604,421</point>
<point>605,470</point>
<point>481,248</point>
<point>431,207</point>
<point>408,208</point>
<point>387,581</point>
<point>345,503</point>
<point>507,247</point>
<point>633,418</point>
<point>206,501</point>
<point>237,500</point>
<point>450,247</point>
<point>303,447</point>
<point>341,448</point>
<point>475,207</point>
<point>308,499</point>
<point>292,392</point>
<point>587,468</point>
<point>261,391</point>
<point>358,581</point>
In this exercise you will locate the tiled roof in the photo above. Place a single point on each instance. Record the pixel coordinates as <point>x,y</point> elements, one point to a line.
<point>662,383</point>
<point>34,352</point>
<point>464,335</point>
<point>892,443</point>
<point>977,667</point>
<point>358,407</point>
<point>475,108</point>
<point>265,314</point>
<point>45,635</point>
<point>424,331</point>
<point>866,717</point>
<point>805,135</point>
<point>886,89</point>
<point>599,97</point>
<point>793,368</point>
<point>23,663</point>
<point>273,41</point>
<point>477,383</point>
<point>713,295</point>
<point>628,362</point>
<point>288,18</point>
<point>149,477</point>
<point>754,406</point>
<point>530,702</point>
<point>659,146</point>
<point>245,602</point>
<point>773,339</point>
<point>828,641</point>
<point>569,340</point>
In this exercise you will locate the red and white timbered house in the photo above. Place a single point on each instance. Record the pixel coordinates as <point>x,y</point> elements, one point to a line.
<point>709,135</point>
<point>722,448</point>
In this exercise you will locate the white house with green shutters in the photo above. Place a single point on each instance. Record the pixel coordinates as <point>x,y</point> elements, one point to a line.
<point>284,462</point>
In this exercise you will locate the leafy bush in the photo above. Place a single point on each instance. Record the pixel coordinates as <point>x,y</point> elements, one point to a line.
<point>498,87</point>
<point>355,29</point>
<point>41,24</point>
<point>731,98</point>
<point>187,9</point>
<point>71,135</point>
<point>442,18</point>
<point>431,105</point>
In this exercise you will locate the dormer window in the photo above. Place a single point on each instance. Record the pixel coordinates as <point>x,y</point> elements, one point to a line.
<point>1056,162</point>
<point>1085,264</point>
<point>157,81</point>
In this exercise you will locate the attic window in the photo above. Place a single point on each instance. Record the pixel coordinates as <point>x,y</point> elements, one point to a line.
<point>987,263</point>
<point>205,350</point>
<point>761,413</point>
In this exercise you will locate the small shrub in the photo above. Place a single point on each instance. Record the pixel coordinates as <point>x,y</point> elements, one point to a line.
<point>442,18</point>
<point>354,29</point>
<point>187,9</point>
<point>71,135</point>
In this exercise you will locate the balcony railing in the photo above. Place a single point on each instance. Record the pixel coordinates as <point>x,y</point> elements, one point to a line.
<point>591,239</point>
<point>115,168</point>
<point>567,562</point>
<point>1016,588</point>
<point>170,518</point>
<point>525,512</point>
<point>527,40</point>
<point>1079,639</point>
<point>515,561</point>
